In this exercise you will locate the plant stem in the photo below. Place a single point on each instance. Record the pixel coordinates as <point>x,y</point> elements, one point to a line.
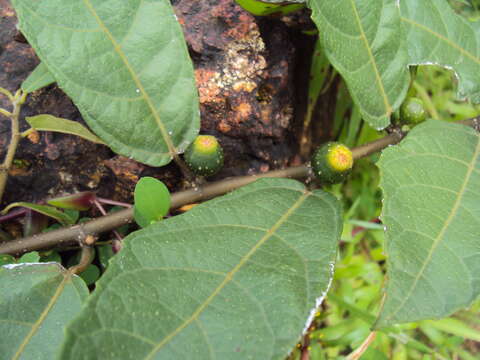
<point>359,352</point>
<point>7,93</point>
<point>5,112</point>
<point>68,235</point>
<point>15,137</point>
<point>86,258</point>
<point>116,244</point>
<point>113,202</point>
<point>27,132</point>
<point>423,94</point>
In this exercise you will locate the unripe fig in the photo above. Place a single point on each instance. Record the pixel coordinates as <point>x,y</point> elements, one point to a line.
<point>332,162</point>
<point>412,111</point>
<point>204,156</point>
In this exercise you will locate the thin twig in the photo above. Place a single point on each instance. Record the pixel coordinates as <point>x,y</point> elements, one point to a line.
<point>362,348</point>
<point>305,349</point>
<point>7,93</point>
<point>27,132</point>
<point>113,202</point>
<point>5,112</point>
<point>116,244</point>
<point>68,235</point>
<point>15,137</point>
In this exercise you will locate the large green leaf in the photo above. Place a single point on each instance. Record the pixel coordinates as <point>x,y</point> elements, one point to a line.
<point>431,186</point>
<point>235,278</point>
<point>438,36</point>
<point>36,301</point>
<point>363,40</point>
<point>125,65</point>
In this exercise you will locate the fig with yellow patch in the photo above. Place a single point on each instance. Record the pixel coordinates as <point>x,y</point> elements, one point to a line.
<point>332,162</point>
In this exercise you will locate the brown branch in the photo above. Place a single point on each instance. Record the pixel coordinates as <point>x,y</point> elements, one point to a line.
<point>71,234</point>
<point>106,223</point>
<point>305,349</point>
<point>111,221</point>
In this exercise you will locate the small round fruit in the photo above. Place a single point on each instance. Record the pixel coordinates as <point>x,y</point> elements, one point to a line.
<point>332,162</point>
<point>204,156</point>
<point>412,111</point>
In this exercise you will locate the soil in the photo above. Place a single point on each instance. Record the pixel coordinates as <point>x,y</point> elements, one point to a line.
<point>252,77</point>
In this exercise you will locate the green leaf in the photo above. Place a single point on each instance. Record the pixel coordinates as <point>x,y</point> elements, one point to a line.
<point>362,39</point>
<point>31,257</point>
<point>283,1</point>
<point>233,278</point>
<point>39,78</point>
<point>263,8</point>
<point>90,274</point>
<point>51,256</point>
<point>47,122</point>
<point>50,211</point>
<point>37,300</point>
<point>152,201</point>
<point>438,36</point>
<point>6,259</point>
<point>125,64</point>
<point>105,253</point>
<point>431,185</point>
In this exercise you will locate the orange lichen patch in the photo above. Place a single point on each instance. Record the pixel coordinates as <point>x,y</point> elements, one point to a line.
<point>224,127</point>
<point>243,111</point>
<point>206,144</point>
<point>19,171</point>
<point>247,86</point>
<point>340,158</point>
<point>266,114</point>
<point>207,83</point>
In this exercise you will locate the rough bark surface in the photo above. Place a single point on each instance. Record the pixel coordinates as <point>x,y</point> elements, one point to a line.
<point>244,68</point>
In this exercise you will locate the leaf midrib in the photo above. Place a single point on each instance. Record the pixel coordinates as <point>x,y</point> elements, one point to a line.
<point>42,316</point>
<point>117,48</point>
<point>378,78</point>
<point>229,276</point>
<point>440,235</point>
